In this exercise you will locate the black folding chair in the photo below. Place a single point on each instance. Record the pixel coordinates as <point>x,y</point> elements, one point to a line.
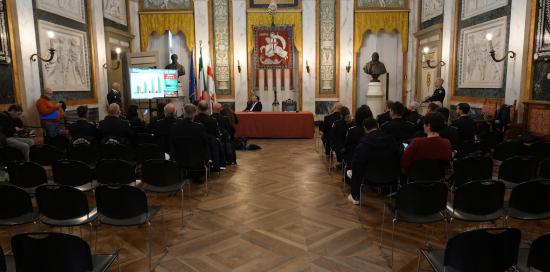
<point>27,175</point>
<point>193,158</point>
<point>530,200</point>
<point>64,206</point>
<point>45,154</point>
<point>86,153</point>
<point>428,170</point>
<point>145,138</point>
<point>478,201</point>
<point>73,173</point>
<point>419,203</point>
<point>60,252</point>
<point>544,168</point>
<point>117,151</point>
<point>507,150</point>
<point>16,206</point>
<point>147,151</point>
<point>9,155</point>
<point>476,250</point>
<point>60,142</point>
<point>163,177</point>
<point>517,170</point>
<point>123,206</point>
<point>537,256</point>
<point>472,168</point>
<point>381,174</point>
<point>114,171</point>
<point>538,150</point>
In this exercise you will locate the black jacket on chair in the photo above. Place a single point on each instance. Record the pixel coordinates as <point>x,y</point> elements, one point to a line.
<point>115,127</point>
<point>466,128</point>
<point>209,123</point>
<point>339,132</point>
<point>188,141</point>
<point>400,129</point>
<point>83,129</point>
<point>162,129</point>
<point>257,107</point>
<point>352,140</point>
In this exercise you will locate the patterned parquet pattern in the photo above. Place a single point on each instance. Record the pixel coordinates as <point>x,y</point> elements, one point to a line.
<point>278,210</point>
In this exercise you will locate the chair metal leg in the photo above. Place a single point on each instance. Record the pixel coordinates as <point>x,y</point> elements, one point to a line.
<point>361,196</point>
<point>392,239</point>
<point>149,245</point>
<point>91,232</point>
<point>206,179</point>
<point>382,226</point>
<point>182,222</point>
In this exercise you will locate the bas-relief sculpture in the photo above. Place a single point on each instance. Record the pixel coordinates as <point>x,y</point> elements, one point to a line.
<point>380,3</point>
<point>431,9</point>
<point>222,46</point>
<point>165,4</point>
<point>72,9</point>
<point>375,68</point>
<point>327,41</point>
<point>5,57</point>
<point>476,69</point>
<point>69,70</point>
<point>541,82</point>
<point>471,8</point>
<point>115,10</point>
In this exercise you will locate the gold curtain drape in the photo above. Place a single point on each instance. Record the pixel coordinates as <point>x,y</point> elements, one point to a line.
<point>162,22</point>
<point>264,19</point>
<point>381,20</point>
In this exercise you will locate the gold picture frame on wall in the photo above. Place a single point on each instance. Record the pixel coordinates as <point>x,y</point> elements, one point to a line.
<point>284,4</point>
<point>381,4</point>
<point>173,5</point>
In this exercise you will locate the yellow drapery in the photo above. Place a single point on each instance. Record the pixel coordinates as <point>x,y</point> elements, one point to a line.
<point>381,20</point>
<point>264,19</point>
<point>162,22</point>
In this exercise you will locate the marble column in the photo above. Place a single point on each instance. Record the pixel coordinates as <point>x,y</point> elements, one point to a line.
<point>410,82</point>
<point>240,53</point>
<point>102,83</point>
<point>447,45</point>
<point>25,46</point>
<point>309,55</point>
<point>202,32</point>
<point>346,51</point>
<point>134,21</point>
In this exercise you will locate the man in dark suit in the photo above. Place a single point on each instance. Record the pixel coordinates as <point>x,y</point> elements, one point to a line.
<point>254,104</point>
<point>159,116</point>
<point>114,127</point>
<point>223,122</point>
<point>83,128</point>
<point>448,132</point>
<point>114,95</point>
<point>203,117</point>
<point>465,124</point>
<point>328,121</point>
<point>162,127</point>
<point>439,92</point>
<point>399,128</point>
<point>385,117</point>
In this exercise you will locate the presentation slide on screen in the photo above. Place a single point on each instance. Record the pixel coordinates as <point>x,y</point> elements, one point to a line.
<point>153,83</point>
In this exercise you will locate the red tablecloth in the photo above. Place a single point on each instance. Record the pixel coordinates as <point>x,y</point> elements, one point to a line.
<point>275,125</point>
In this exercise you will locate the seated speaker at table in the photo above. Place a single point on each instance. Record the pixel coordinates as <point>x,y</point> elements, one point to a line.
<point>254,104</point>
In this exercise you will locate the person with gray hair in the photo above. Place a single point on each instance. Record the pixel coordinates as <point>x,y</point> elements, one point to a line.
<point>413,115</point>
<point>161,128</point>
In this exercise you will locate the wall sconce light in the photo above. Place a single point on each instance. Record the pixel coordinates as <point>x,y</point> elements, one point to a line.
<point>348,67</point>
<point>107,66</point>
<point>35,57</point>
<point>489,38</point>
<point>239,66</point>
<point>425,52</point>
<point>307,66</point>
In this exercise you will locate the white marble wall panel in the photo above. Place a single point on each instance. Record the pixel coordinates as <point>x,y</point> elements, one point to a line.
<point>447,45</point>
<point>134,21</point>
<point>202,31</point>
<point>102,83</point>
<point>240,53</point>
<point>309,55</point>
<point>346,50</point>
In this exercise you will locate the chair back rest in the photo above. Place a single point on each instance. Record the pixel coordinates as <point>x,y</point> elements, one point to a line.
<point>27,174</point>
<point>14,202</point>
<point>51,252</point>
<point>422,198</point>
<point>160,172</point>
<point>3,267</point>
<point>480,197</point>
<point>9,154</point>
<point>539,253</point>
<point>61,202</point>
<point>114,171</point>
<point>517,169</point>
<point>382,171</point>
<point>472,168</point>
<point>483,250</point>
<point>145,138</point>
<point>544,168</point>
<point>532,197</point>
<point>191,154</point>
<point>45,154</point>
<point>120,201</point>
<point>428,170</point>
<point>148,151</point>
<point>117,151</point>
<point>71,172</point>
<point>86,153</point>
<point>60,142</point>
<point>539,150</point>
<point>507,150</point>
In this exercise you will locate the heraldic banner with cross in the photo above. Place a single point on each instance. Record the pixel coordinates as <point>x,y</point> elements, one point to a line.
<point>273,46</point>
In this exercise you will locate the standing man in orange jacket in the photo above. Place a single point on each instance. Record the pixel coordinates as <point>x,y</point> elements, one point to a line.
<point>50,112</point>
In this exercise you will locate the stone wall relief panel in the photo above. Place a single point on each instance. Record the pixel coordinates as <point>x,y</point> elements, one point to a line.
<point>72,9</point>
<point>222,46</point>
<point>115,10</point>
<point>471,8</point>
<point>327,47</point>
<point>431,9</point>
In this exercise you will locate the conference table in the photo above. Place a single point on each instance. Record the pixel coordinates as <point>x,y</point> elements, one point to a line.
<point>283,125</point>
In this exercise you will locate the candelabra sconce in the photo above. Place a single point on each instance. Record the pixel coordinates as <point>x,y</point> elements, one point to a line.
<point>348,67</point>
<point>428,62</point>
<point>307,66</point>
<point>115,67</point>
<point>492,52</point>
<point>239,66</point>
<point>35,57</point>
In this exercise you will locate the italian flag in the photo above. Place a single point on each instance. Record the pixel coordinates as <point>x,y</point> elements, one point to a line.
<point>206,83</point>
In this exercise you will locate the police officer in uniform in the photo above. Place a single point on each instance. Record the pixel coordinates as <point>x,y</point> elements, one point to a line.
<point>439,93</point>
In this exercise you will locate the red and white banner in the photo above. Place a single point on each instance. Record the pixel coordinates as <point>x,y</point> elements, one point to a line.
<point>273,46</point>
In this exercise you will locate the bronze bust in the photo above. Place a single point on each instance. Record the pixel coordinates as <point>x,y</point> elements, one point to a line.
<point>375,67</point>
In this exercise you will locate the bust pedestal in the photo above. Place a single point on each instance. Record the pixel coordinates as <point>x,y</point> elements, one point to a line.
<point>375,97</point>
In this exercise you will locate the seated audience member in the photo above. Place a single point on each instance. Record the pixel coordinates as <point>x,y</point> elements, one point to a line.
<point>376,147</point>
<point>385,117</point>
<point>163,127</point>
<point>223,122</point>
<point>399,128</point>
<point>356,132</point>
<point>254,104</point>
<point>326,128</point>
<point>51,112</point>
<point>413,116</point>
<point>232,119</point>
<point>203,117</point>
<point>339,132</point>
<point>114,127</point>
<point>83,128</point>
<point>159,116</point>
<point>228,151</point>
<point>448,132</point>
<point>433,147</point>
<point>432,107</point>
<point>136,123</point>
<point>464,123</point>
<point>11,125</point>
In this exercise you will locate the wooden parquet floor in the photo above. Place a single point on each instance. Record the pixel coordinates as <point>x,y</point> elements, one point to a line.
<point>277,210</point>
